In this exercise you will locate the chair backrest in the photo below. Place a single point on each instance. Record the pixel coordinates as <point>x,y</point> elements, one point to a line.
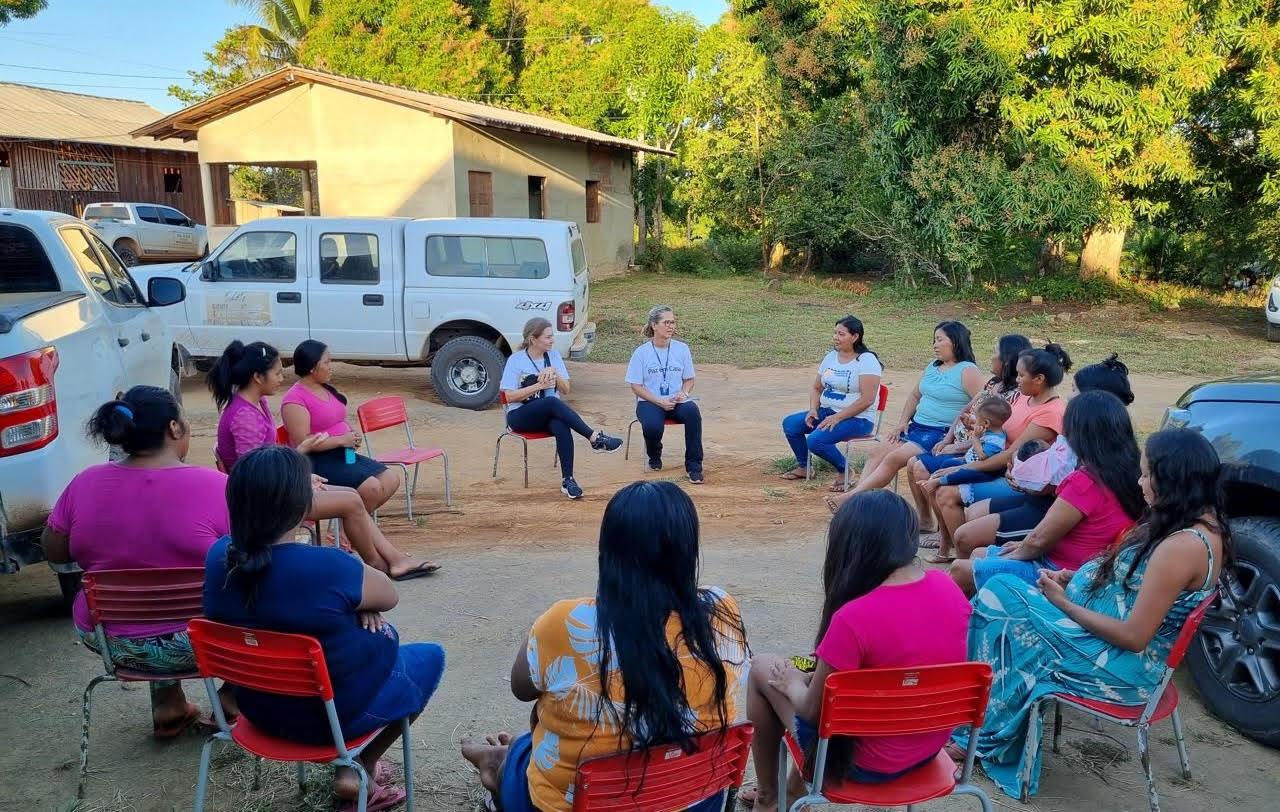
<point>282,435</point>
<point>502,398</point>
<point>894,701</point>
<point>664,778</point>
<point>382,413</point>
<point>882,399</point>
<point>1189,628</point>
<point>154,595</point>
<point>272,662</point>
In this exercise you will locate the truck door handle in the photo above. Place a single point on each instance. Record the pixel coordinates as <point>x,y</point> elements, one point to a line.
<point>288,297</point>
<point>122,341</point>
<point>373,299</point>
<point>146,336</point>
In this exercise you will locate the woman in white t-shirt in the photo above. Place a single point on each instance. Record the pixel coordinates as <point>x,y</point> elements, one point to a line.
<point>534,380</point>
<point>661,376</point>
<point>842,402</point>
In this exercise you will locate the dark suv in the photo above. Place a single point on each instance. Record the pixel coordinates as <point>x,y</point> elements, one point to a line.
<point>1236,662</point>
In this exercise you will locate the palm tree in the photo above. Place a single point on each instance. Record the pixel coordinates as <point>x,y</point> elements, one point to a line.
<point>284,25</point>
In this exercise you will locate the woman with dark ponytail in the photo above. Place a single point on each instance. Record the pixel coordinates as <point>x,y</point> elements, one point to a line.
<point>260,578</point>
<point>1104,631</point>
<point>314,408</point>
<point>149,509</point>
<point>652,659</point>
<point>241,381</point>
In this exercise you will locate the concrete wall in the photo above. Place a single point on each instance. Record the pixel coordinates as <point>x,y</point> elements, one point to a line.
<point>372,158</point>
<point>567,166</point>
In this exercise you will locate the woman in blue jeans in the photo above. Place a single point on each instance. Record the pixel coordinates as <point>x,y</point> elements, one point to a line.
<point>261,578</point>
<point>842,402</point>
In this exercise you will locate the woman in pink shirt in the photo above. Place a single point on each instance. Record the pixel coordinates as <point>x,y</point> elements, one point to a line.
<point>313,405</point>
<point>882,610</point>
<point>149,510</point>
<point>241,380</point>
<point>1095,503</point>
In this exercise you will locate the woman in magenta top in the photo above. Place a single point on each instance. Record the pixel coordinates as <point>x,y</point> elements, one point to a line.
<point>882,610</point>
<point>241,380</point>
<point>313,406</point>
<point>149,510</point>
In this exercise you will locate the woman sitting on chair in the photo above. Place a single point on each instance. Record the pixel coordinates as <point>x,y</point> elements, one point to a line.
<point>241,380</point>
<point>669,672</point>
<point>661,375</point>
<point>535,382</point>
<point>259,578</point>
<point>882,610</point>
<point>842,403</point>
<point>1105,630</point>
<point>175,512</point>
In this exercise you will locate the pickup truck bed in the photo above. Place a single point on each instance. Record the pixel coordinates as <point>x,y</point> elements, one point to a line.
<point>14,307</point>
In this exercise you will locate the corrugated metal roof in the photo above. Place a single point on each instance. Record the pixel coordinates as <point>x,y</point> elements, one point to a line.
<point>186,123</point>
<point>35,112</point>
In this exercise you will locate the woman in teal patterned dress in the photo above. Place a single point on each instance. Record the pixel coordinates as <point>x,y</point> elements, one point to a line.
<point>1105,630</point>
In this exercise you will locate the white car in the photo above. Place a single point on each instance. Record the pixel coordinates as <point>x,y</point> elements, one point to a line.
<point>450,293</point>
<point>147,231</point>
<point>75,330</point>
<point>1272,311</point>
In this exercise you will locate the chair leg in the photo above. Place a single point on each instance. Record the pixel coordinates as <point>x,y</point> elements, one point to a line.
<point>448,491</point>
<point>363,797</point>
<point>525,444</point>
<point>497,449</point>
<point>977,792</point>
<point>302,778</point>
<point>1144,755</point>
<point>202,780</point>
<point>406,742</point>
<point>85,709</point>
<point>1057,725</point>
<point>1029,750</point>
<point>784,766</point>
<point>408,494</point>
<point>257,773</point>
<point>1182,744</point>
<point>626,453</point>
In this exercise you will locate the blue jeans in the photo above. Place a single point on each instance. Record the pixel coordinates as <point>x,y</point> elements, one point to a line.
<point>990,489</point>
<point>807,738</point>
<point>994,564</point>
<point>823,443</point>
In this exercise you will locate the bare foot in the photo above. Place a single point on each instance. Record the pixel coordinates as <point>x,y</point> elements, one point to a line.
<point>487,759</point>
<point>346,784</point>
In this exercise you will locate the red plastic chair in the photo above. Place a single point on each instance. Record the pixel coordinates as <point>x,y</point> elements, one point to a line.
<point>312,527</point>
<point>157,595</point>
<point>891,702</point>
<point>286,664</point>
<point>665,778</point>
<point>882,403</point>
<point>1163,704</point>
<point>525,437</point>
<point>388,412</point>
<point>626,454</point>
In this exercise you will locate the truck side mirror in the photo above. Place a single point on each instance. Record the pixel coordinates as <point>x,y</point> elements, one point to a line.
<point>209,270</point>
<point>163,291</point>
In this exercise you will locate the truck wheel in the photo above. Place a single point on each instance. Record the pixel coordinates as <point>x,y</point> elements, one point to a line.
<point>126,253</point>
<point>465,372</point>
<point>1273,332</point>
<point>1236,659</point>
<point>175,380</point>
<point>69,583</point>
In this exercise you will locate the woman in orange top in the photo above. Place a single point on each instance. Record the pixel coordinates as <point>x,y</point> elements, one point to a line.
<point>673,669</point>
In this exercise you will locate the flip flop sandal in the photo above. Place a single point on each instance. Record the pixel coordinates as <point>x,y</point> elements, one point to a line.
<point>832,504</point>
<point>382,797</point>
<point>940,559</point>
<point>422,570</point>
<point>178,726</point>
<point>794,475</point>
<point>747,796</point>
<point>210,722</point>
<point>837,486</point>
<point>929,541</point>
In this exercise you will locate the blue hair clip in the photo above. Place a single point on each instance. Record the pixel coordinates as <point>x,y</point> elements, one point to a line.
<point>124,410</point>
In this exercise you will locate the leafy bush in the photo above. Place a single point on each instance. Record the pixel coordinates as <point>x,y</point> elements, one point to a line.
<point>652,257</point>
<point>737,253</point>
<point>690,259</point>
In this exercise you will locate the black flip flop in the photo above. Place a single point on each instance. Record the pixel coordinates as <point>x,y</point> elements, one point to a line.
<point>421,571</point>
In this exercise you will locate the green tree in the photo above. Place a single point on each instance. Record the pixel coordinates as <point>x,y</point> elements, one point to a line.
<point>228,65</point>
<point>431,45</point>
<point>20,9</point>
<point>283,28</point>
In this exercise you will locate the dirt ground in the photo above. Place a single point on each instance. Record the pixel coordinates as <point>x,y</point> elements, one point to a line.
<point>508,554</point>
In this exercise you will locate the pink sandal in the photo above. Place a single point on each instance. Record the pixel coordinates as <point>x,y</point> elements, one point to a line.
<point>380,798</point>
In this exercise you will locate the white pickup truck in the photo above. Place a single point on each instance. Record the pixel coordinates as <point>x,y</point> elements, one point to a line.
<point>74,330</point>
<point>147,231</point>
<point>454,293</point>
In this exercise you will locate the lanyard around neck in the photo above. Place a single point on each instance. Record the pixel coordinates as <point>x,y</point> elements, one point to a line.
<point>546,360</point>
<point>661,363</point>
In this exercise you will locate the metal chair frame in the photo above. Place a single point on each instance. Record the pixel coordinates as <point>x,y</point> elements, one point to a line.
<point>507,431</point>
<point>882,403</point>
<point>409,489</point>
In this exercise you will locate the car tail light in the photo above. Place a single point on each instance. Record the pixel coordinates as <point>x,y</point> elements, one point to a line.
<point>566,316</point>
<point>28,406</point>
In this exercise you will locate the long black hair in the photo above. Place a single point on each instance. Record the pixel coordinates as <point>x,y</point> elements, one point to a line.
<point>139,421</point>
<point>872,534</point>
<point>307,357</point>
<point>1098,429</point>
<point>268,493</point>
<point>961,342</point>
<point>236,367</point>
<point>1109,375</point>
<point>854,325</point>
<point>1186,477</point>
<point>1051,361</point>
<point>1008,349</point>
<point>648,572</point>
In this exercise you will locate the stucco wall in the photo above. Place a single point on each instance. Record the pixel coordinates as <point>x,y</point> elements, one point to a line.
<point>372,158</point>
<point>567,166</point>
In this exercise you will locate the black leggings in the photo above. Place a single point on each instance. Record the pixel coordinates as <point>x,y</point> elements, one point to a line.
<point>653,423</point>
<point>555,416</point>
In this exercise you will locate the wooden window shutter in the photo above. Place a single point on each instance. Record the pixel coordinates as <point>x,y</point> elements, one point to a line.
<point>480,193</point>
<point>593,201</point>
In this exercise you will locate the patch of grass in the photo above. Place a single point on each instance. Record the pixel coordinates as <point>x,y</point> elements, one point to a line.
<point>743,321</point>
<point>775,493</point>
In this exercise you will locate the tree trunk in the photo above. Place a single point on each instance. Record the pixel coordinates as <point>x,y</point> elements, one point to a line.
<point>642,215</point>
<point>657,203</point>
<point>1050,259</point>
<point>1100,257</point>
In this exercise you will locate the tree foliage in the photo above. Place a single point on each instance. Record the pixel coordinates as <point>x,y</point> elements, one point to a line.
<point>20,9</point>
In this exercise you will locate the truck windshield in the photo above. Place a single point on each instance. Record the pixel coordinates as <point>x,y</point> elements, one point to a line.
<point>98,212</point>
<point>24,266</point>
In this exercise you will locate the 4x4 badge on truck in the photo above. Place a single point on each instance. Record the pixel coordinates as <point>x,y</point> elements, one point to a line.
<point>532,305</point>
